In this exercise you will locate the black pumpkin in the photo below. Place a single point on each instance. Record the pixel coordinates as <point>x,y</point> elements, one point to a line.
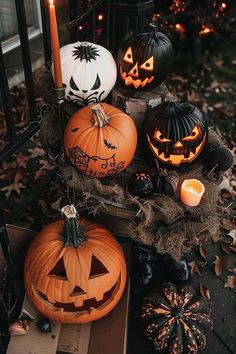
<point>141,184</point>
<point>176,321</point>
<point>174,133</point>
<point>220,158</point>
<point>144,59</point>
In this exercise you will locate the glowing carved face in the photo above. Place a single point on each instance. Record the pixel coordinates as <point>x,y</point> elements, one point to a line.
<point>138,74</point>
<point>178,152</point>
<point>144,59</point>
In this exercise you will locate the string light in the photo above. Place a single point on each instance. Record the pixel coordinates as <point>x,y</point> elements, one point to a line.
<point>205,31</point>
<point>180,28</point>
<point>100,17</point>
<point>178,6</point>
<point>223,5</point>
<point>80,28</point>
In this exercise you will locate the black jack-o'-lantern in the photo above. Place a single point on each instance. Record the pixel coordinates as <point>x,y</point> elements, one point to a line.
<point>174,133</point>
<point>144,59</point>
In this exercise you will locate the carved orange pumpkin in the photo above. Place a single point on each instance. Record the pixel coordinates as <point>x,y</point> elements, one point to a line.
<point>75,271</point>
<point>176,320</point>
<point>174,133</point>
<point>100,140</point>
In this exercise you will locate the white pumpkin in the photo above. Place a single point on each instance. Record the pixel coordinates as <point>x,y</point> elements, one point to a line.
<point>89,71</point>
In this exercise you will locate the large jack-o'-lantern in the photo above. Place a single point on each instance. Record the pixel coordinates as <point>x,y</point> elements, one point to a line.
<point>89,71</point>
<point>174,133</point>
<point>75,271</point>
<point>144,59</point>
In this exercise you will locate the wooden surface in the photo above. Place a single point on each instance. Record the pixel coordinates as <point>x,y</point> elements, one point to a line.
<point>222,340</point>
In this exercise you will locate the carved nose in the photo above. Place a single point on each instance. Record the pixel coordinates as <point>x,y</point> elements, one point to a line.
<point>134,71</point>
<point>178,144</point>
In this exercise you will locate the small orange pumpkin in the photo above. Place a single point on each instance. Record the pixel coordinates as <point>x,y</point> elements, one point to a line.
<point>75,271</point>
<point>100,140</point>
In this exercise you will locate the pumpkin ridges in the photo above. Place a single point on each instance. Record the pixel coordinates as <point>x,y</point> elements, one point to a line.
<point>162,338</point>
<point>176,346</point>
<point>203,321</point>
<point>100,151</point>
<point>200,304</point>
<point>199,336</point>
<point>59,291</point>
<point>170,293</point>
<point>190,345</point>
<point>185,296</point>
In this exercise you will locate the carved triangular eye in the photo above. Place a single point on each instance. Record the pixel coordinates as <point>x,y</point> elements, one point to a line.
<point>59,270</point>
<point>77,291</point>
<point>148,65</point>
<point>73,84</point>
<point>128,57</point>
<point>97,268</point>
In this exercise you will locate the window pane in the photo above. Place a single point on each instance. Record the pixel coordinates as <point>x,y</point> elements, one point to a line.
<point>8,20</point>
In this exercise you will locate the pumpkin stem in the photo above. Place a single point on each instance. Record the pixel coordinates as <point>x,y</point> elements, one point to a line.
<point>73,234</point>
<point>100,119</point>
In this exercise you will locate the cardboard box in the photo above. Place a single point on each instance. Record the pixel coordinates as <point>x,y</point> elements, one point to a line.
<point>105,336</point>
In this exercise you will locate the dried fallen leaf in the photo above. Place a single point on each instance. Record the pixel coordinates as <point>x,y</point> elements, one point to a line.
<point>21,160</point>
<point>228,248</point>
<point>219,264</point>
<point>19,177</point>
<point>57,204</point>
<point>37,151</point>
<point>204,291</point>
<point>232,234</point>
<point>232,270</point>
<point>227,224</point>
<point>13,187</point>
<point>39,173</point>
<point>202,252</point>
<point>196,267</point>
<point>44,165</point>
<point>231,282</point>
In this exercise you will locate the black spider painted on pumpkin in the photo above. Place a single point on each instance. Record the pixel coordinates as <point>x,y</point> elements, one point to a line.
<point>144,58</point>
<point>174,133</point>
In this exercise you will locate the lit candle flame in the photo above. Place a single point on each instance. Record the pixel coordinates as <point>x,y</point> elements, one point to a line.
<point>100,17</point>
<point>223,5</point>
<point>51,2</point>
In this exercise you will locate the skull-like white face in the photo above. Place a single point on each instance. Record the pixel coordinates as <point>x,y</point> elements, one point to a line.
<point>89,71</point>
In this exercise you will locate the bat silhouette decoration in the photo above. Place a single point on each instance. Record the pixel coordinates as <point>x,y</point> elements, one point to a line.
<point>109,145</point>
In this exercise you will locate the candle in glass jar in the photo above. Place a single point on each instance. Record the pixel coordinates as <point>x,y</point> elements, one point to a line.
<point>191,192</point>
<point>55,46</point>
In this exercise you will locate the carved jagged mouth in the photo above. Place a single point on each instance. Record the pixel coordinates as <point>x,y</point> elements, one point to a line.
<point>135,82</point>
<point>177,159</point>
<point>88,304</point>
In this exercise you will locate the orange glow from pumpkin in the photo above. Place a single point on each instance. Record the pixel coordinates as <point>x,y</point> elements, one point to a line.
<point>136,83</point>
<point>176,160</point>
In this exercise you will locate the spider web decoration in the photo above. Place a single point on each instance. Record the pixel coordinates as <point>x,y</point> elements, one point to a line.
<point>86,52</point>
<point>78,157</point>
